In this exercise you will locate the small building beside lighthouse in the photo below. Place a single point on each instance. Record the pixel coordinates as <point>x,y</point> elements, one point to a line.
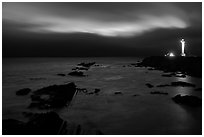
<point>183,47</point>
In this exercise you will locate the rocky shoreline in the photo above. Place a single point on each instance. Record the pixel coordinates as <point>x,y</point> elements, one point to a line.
<point>191,66</point>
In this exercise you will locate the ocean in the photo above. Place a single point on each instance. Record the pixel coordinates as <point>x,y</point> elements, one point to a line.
<point>135,111</point>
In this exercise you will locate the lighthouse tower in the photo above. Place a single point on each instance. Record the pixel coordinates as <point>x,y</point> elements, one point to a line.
<point>183,46</point>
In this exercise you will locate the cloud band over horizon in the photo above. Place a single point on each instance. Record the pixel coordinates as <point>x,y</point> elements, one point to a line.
<point>106,19</point>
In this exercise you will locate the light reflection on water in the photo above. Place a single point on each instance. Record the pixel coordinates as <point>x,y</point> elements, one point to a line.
<point>186,90</point>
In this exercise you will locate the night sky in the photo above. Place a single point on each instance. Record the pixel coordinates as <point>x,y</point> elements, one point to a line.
<point>100,29</point>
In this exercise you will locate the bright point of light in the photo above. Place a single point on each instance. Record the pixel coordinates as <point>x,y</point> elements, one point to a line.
<point>171,54</point>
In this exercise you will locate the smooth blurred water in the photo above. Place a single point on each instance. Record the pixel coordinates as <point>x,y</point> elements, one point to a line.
<point>113,114</point>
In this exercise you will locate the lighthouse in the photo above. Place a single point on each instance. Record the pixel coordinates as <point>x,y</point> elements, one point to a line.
<point>183,47</point>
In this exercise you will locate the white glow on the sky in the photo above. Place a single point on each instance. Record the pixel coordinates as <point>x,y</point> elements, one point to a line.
<point>75,20</point>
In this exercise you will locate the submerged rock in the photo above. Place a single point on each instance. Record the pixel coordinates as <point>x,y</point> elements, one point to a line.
<point>61,74</point>
<point>55,96</point>
<point>77,73</point>
<point>158,92</point>
<point>164,85</point>
<point>118,93</point>
<point>183,84</point>
<point>149,85</point>
<point>96,91</point>
<point>166,75</point>
<point>37,79</point>
<point>187,100</point>
<point>178,83</point>
<point>23,91</point>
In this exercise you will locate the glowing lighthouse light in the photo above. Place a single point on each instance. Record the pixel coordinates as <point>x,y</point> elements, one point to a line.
<point>171,54</point>
<point>183,46</point>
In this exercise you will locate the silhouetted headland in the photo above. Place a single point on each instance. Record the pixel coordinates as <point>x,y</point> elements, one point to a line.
<point>191,66</point>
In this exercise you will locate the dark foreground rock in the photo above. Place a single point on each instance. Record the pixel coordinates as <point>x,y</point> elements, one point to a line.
<point>77,73</point>
<point>55,96</point>
<point>159,92</point>
<point>149,85</point>
<point>40,124</point>
<point>187,65</point>
<point>23,92</point>
<point>45,124</point>
<point>187,100</point>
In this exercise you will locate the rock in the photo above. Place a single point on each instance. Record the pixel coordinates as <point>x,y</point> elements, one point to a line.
<point>183,84</point>
<point>187,65</point>
<point>151,68</point>
<point>81,68</point>
<point>96,91</point>
<point>180,76</point>
<point>23,92</point>
<point>84,90</point>
<point>158,92</point>
<point>13,127</point>
<point>61,74</point>
<point>135,95</point>
<point>178,83</point>
<point>118,93</point>
<point>45,124</point>
<point>149,85</point>
<point>198,89</point>
<point>86,64</point>
<point>187,100</point>
<point>40,124</point>
<point>166,75</point>
<point>37,79</point>
<point>164,85</point>
<point>55,96</point>
<point>77,73</point>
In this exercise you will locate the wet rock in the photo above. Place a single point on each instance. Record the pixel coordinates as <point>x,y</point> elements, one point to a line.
<point>84,90</point>
<point>151,69</point>
<point>61,74</point>
<point>45,124</point>
<point>187,100</point>
<point>164,85</point>
<point>166,75</point>
<point>90,93</point>
<point>149,85</point>
<point>96,91</point>
<point>159,92</point>
<point>55,96</point>
<point>118,93</point>
<point>198,89</point>
<point>135,95</point>
<point>77,73</point>
<point>86,64</point>
<point>13,127</point>
<point>37,79</point>
<point>81,68</point>
<point>40,124</point>
<point>183,84</point>
<point>23,92</point>
<point>187,65</point>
